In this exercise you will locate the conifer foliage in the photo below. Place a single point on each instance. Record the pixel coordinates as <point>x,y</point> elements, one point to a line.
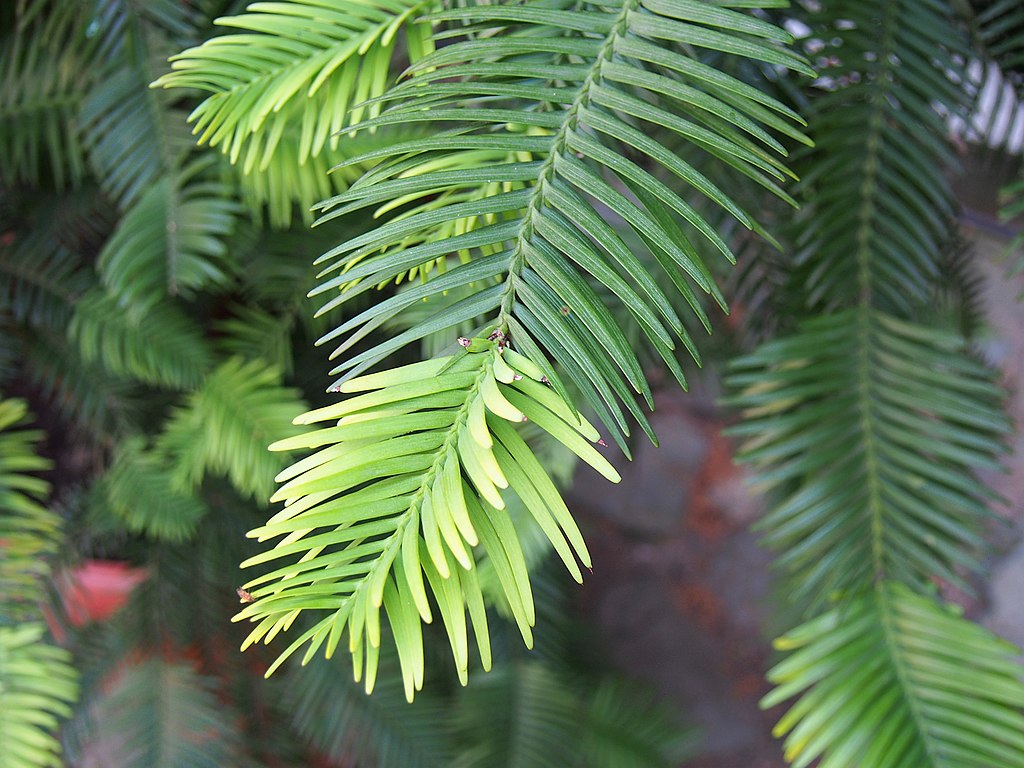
<point>869,425</point>
<point>522,209</point>
<point>541,118</point>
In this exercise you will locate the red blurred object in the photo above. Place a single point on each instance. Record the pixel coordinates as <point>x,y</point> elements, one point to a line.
<point>96,589</point>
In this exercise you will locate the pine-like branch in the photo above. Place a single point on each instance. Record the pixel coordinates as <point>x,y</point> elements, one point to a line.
<point>507,206</point>
<point>44,75</point>
<point>37,687</point>
<point>171,242</point>
<point>299,66</point>
<point>894,679</point>
<point>226,424</point>
<point>409,484</point>
<point>37,682</point>
<point>868,431</point>
<point>29,532</point>
<point>141,495</point>
<point>163,347</point>
<point>868,427</point>
<point>164,714</point>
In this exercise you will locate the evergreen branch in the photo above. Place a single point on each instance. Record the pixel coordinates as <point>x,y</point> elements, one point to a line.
<point>287,180</point>
<point>894,679</point>
<point>522,715</point>
<point>279,76</point>
<point>163,347</point>
<point>84,394</point>
<point>626,727</point>
<point>133,136</point>
<point>38,685</point>
<point>337,718</point>
<point>900,418</point>
<point>543,174</point>
<point>171,242</point>
<point>143,498</point>
<point>277,187</point>
<point>535,714</point>
<point>410,482</point>
<point>43,76</point>
<point>414,474</point>
<point>868,427</point>
<point>133,143</point>
<point>253,333</point>
<point>225,425</point>
<point>40,280</point>
<point>163,714</point>
<point>29,532</point>
<point>879,192</point>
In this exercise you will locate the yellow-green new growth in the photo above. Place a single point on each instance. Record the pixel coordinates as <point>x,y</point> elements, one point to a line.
<point>404,496</point>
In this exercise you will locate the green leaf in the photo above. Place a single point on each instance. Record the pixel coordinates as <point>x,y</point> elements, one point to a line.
<point>38,685</point>
<point>338,719</point>
<point>163,346</point>
<point>868,429</point>
<point>535,713</point>
<point>29,532</point>
<point>95,402</point>
<point>141,494</point>
<point>40,280</point>
<point>171,242</point>
<point>894,678</point>
<point>877,200</point>
<point>225,426</point>
<point>45,70</point>
<point>412,483</point>
<point>522,190</point>
<point>277,78</point>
